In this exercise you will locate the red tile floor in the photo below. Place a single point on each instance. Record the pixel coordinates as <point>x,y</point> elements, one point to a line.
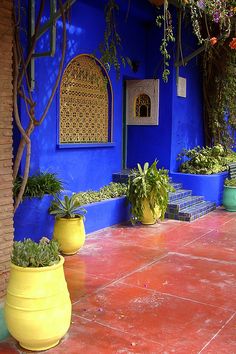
<point>166,288</point>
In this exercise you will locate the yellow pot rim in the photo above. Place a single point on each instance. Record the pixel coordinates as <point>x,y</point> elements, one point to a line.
<point>69,219</point>
<point>39,269</point>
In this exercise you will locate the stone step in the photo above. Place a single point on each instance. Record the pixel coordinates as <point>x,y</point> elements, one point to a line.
<point>195,211</point>
<point>177,205</point>
<point>179,194</point>
<point>177,186</point>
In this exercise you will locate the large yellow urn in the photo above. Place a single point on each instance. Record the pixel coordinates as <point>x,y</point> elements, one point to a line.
<point>38,306</point>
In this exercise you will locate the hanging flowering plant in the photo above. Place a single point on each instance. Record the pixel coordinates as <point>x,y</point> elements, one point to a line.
<point>213,20</point>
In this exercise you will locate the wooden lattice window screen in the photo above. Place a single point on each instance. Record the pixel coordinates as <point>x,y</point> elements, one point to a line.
<point>85,102</point>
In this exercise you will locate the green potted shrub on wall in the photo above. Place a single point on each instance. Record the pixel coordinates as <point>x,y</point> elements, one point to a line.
<point>229,194</point>
<point>69,225</point>
<point>38,306</point>
<point>147,193</point>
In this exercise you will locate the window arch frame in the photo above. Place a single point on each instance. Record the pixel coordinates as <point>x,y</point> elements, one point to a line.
<point>110,142</point>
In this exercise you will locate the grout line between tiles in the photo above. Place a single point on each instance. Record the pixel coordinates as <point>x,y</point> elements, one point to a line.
<point>122,277</point>
<point>189,243</point>
<point>216,334</point>
<point>180,297</point>
<point>116,329</point>
<point>202,258</point>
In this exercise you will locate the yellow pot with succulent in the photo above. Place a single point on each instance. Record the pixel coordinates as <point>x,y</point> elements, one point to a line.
<point>69,225</point>
<point>38,307</point>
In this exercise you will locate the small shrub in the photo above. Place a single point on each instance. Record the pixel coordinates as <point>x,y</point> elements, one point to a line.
<point>112,190</point>
<point>206,160</point>
<point>28,253</point>
<point>39,185</point>
<point>230,182</point>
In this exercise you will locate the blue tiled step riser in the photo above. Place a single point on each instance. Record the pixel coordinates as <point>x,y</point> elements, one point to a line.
<point>183,203</point>
<point>179,194</point>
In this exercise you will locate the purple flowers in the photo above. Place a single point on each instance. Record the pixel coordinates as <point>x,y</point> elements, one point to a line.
<point>216,16</point>
<point>201,4</point>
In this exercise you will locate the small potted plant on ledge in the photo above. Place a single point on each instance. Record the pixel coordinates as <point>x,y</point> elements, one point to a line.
<point>69,225</point>
<point>147,193</point>
<point>38,307</point>
<point>229,194</point>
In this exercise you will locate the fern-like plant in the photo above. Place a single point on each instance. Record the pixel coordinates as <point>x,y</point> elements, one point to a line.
<point>151,184</point>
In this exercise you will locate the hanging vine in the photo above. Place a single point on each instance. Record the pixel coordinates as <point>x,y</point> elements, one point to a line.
<point>111,47</point>
<point>219,90</point>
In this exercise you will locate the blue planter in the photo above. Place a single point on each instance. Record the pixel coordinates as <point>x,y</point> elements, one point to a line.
<point>32,219</point>
<point>209,186</point>
<point>106,213</point>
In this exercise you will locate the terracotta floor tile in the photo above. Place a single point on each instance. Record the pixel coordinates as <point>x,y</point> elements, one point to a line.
<point>176,325</point>
<point>166,288</point>
<point>80,283</point>
<point>93,338</point>
<point>8,348</point>
<point>216,244</point>
<point>201,280</point>
<point>113,260</point>
<point>224,342</point>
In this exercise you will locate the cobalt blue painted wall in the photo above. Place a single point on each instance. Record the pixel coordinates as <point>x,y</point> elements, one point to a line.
<point>147,143</point>
<point>84,168</point>
<point>187,113</point>
<point>179,119</point>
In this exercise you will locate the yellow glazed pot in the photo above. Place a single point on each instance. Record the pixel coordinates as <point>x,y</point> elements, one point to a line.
<point>38,306</point>
<point>148,218</point>
<point>70,234</point>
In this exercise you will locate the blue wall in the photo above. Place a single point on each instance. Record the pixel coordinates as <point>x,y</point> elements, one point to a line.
<point>187,113</point>
<point>179,119</point>
<point>85,168</point>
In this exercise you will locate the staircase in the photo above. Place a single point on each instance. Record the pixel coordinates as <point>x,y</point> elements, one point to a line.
<point>186,207</point>
<point>182,204</point>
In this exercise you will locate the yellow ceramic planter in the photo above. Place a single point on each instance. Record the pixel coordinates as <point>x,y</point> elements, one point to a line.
<point>38,306</point>
<point>148,218</point>
<point>70,234</point>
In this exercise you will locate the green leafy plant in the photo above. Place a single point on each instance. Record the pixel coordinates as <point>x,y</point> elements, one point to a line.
<point>39,185</point>
<point>28,253</point>
<point>230,182</point>
<point>68,208</point>
<point>206,160</point>
<point>150,183</point>
<point>112,190</point>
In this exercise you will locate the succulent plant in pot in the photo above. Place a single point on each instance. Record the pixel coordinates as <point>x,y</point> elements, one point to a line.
<point>38,307</point>
<point>147,193</point>
<point>69,225</point>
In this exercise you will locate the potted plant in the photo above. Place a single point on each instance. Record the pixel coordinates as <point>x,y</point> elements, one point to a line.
<point>147,193</point>
<point>38,306</point>
<point>69,225</point>
<point>229,194</point>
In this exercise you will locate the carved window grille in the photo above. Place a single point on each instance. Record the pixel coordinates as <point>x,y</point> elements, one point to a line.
<point>85,102</point>
<point>143,106</point>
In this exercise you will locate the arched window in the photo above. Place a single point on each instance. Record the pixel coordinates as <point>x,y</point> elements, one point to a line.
<point>143,106</point>
<point>85,102</point>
